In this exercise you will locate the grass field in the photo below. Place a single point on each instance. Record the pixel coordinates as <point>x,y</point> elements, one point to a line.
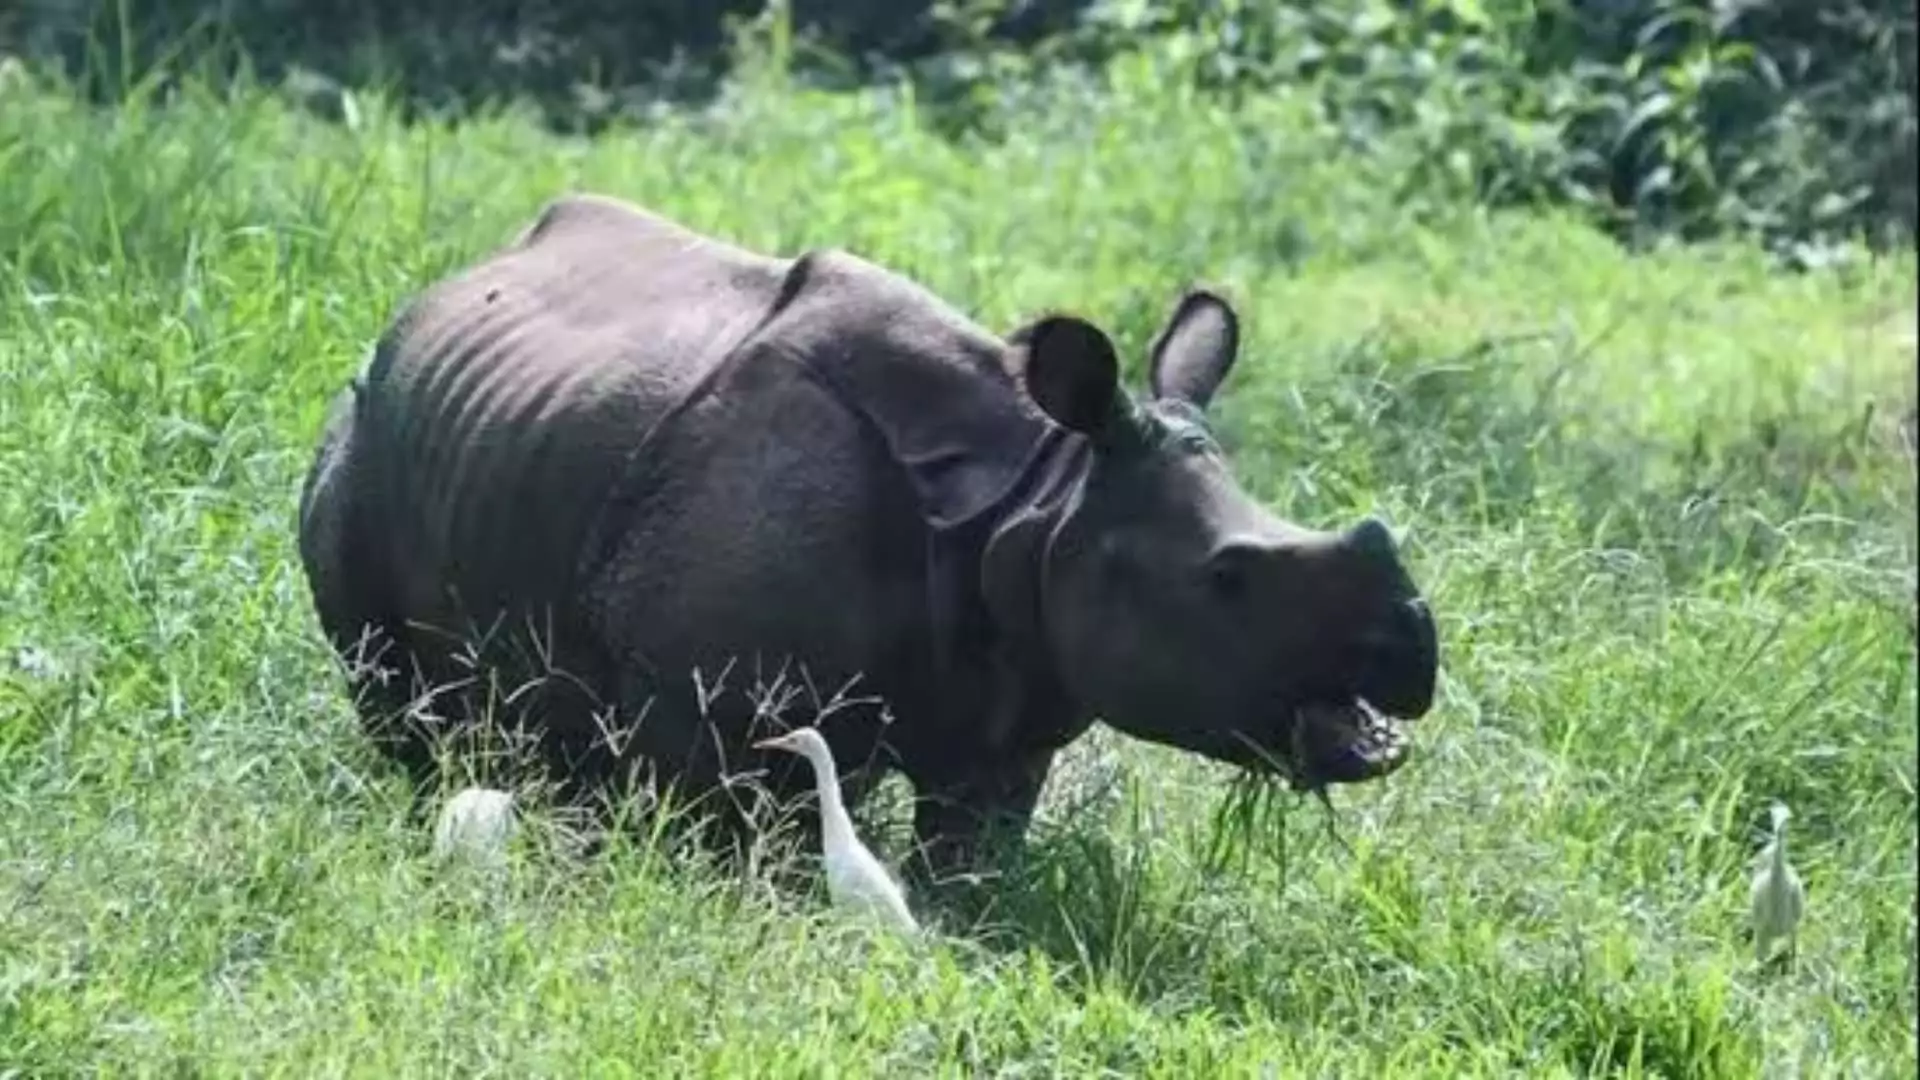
<point>1664,505</point>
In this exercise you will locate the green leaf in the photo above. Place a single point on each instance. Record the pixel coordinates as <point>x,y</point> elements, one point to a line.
<point>1469,12</point>
<point>1654,107</point>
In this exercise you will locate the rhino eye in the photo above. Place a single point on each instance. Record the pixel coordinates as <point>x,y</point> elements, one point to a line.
<point>1229,570</point>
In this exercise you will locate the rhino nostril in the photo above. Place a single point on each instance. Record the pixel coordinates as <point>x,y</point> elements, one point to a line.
<point>1416,620</point>
<point>1405,640</point>
<point>1421,636</point>
<point>1397,660</point>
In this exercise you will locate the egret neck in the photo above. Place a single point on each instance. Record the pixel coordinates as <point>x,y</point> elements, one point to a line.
<point>836,830</point>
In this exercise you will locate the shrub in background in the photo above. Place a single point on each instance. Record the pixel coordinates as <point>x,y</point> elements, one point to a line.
<point>1791,121</point>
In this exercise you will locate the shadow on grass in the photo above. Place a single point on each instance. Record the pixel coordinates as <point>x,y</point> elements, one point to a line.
<point>1095,907</point>
<point>1097,894</point>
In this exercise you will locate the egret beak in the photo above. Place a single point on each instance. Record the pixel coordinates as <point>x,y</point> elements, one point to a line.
<point>777,742</point>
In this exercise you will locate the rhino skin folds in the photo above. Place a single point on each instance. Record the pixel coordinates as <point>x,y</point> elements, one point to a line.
<point>612,483</point>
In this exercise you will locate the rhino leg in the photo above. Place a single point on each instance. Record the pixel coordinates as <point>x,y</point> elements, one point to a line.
<point>342,577</point>
<point>956,815</point>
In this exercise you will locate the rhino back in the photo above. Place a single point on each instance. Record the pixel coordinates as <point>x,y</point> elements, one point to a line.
<point>791,511</point>
<point>766,528</point>
<point>683,455</point>
<point>506,399</point>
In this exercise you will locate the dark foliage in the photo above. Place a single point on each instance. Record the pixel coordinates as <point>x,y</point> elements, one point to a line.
<point>1792,121</point>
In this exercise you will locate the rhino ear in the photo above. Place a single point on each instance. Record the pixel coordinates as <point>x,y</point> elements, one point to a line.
<point>1072,372</point>
<point>1192,354</point>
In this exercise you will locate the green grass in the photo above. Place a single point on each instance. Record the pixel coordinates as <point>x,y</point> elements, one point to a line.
<point>1664,506</point>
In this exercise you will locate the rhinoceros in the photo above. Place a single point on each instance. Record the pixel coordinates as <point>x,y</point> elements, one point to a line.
<point>613,461</point>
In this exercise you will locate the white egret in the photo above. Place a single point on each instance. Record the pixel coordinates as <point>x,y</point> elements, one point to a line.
<point>855,878</point>
<point>475,824</point>
<point>1778,896</point>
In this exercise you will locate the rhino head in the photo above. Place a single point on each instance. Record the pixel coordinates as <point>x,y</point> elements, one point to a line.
<point>1177,608</point>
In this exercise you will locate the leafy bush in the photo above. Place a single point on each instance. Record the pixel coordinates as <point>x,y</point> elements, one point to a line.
<point>1657,118</point>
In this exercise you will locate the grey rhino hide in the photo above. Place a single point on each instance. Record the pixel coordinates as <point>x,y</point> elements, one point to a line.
<point>617,453</point>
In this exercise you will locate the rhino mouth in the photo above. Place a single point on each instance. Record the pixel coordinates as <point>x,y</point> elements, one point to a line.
<point>1310,744</point>
<point>1346,742</point>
